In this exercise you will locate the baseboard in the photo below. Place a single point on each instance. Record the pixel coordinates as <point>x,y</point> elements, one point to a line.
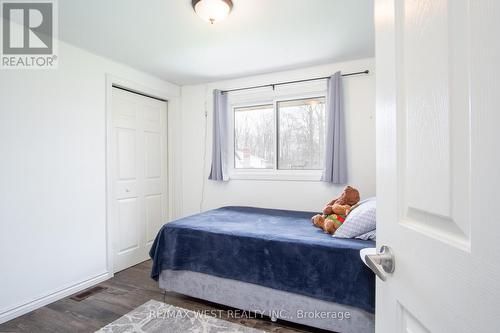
<point>19,310</point>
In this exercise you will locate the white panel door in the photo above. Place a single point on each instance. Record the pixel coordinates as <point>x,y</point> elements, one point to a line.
<point>139,179</point>
<point>438,164</point>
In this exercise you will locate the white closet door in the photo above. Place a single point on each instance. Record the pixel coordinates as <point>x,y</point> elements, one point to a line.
<point>139,178</point>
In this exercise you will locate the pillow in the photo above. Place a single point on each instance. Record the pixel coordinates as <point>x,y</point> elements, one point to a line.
<point>360,220</point>
<point>370,235</point>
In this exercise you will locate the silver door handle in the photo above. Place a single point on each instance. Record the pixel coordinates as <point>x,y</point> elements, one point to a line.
<point>381,263</point>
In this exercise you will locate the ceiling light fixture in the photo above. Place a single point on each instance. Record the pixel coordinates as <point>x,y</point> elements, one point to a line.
<point>212,10</point>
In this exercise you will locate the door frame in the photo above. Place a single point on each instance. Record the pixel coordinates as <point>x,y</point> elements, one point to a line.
<point>157,92</point>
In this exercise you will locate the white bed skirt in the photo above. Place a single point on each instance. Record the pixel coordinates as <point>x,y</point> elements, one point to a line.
<point>270,302</point>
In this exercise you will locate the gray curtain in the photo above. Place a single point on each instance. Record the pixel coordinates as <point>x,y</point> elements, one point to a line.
<point>335,149</point>
<point>219,140</point>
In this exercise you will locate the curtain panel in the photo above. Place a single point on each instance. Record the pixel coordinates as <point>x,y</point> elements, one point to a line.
<point>335,169</point>
<point>218,171</point>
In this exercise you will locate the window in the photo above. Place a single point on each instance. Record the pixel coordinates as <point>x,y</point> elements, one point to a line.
<point>279,139</point>
<point>301,134</point>
<point>254,137</point>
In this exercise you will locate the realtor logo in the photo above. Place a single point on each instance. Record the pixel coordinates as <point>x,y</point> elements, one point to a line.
<point>28,34</point>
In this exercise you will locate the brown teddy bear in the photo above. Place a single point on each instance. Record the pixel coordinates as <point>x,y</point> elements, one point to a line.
<point>341,209</point>
<point>335,212</point>
<point>350,196</point>
<point>321,222</point>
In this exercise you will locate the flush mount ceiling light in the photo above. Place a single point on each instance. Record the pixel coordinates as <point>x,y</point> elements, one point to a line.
<point>212,10</point>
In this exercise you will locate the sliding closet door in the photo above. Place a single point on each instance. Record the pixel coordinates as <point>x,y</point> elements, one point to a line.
<point>139,178</point>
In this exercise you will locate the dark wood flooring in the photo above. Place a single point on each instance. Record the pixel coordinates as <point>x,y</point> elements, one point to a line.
<point>125,291</point>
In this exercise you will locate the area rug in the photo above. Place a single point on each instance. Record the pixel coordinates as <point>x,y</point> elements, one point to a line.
<point>156,317</point>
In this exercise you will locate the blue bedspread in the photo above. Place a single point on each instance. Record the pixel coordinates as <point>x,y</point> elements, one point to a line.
<point>274,248</point>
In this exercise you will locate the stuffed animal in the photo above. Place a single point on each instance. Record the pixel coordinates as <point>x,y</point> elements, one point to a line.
<point>350,196</point>
<point>335,212</point>
<point>329,223</point>
<point>341,209</point>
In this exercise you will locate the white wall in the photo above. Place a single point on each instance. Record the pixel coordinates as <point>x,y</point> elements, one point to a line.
<point>296,195</point>
<point>52,177</point>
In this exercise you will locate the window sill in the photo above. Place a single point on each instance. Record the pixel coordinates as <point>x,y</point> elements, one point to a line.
<point>311,176</point>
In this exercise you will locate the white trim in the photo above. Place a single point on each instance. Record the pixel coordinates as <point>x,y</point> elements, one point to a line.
<point>24,308</point>
<point>279,175</point>
<point>261,97</point>
<point>154,92</point>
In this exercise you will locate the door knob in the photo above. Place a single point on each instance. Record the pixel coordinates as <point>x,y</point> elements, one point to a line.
<point>381,263</point>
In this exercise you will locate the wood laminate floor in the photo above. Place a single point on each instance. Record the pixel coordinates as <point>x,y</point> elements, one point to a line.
<point>125,291</point>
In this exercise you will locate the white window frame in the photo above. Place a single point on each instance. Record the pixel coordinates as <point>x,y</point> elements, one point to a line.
<point>265,96</point>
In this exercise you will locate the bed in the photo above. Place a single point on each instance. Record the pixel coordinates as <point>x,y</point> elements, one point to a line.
<point>272,262</point>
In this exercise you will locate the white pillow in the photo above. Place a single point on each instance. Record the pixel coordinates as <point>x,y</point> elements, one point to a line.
<point>370,235</point>
<point>360,220</point>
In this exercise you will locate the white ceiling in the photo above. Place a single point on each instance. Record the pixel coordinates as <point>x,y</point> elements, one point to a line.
<point>167,39</point>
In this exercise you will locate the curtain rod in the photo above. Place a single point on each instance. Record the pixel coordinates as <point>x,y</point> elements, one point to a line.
<point>296,81</point>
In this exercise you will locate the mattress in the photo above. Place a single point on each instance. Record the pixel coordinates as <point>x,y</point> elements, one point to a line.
<point>277,249</point>
<point>273,303</point>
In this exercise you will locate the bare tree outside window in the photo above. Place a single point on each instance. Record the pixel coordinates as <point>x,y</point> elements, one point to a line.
<point>254,137</point>
<point>301,134</point>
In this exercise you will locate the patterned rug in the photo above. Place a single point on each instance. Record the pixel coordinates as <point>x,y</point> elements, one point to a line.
<point>156,317</point>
